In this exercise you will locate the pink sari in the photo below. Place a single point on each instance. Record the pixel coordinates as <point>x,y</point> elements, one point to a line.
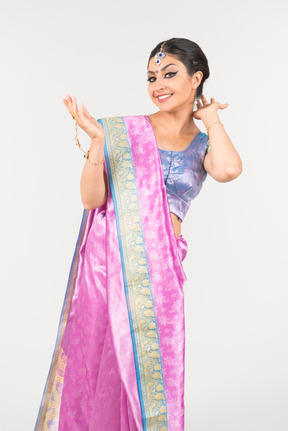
<point>118,363</point>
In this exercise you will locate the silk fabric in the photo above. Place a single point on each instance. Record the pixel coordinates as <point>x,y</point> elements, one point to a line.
<point>118,362</point>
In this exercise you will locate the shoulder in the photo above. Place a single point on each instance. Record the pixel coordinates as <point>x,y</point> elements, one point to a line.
<point>207,145</point>
<point>133,121</point>
<point>133,126</point>
<point>123,117</point>
<point>205,137</point>
<point>203,142</point>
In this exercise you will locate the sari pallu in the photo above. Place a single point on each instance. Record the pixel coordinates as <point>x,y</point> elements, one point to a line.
<point>118,362</point>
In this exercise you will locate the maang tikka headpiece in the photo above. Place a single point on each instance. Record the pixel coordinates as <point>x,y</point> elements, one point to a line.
<point>159,57</point>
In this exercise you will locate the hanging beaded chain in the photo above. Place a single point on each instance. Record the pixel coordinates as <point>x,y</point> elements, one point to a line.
<point>159,57</point>
<point>86,153</point>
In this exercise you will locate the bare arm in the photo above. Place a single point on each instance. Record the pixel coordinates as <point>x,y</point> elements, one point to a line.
<point>93,183</point>
<point>222,162</point>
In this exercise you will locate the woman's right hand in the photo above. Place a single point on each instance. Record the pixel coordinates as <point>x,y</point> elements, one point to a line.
<point>83,119</point>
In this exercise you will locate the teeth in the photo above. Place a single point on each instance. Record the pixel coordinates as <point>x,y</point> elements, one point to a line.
<point>164,97</point>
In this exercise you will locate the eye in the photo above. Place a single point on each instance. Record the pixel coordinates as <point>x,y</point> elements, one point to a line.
<point>152,78</point>
<point>170,73</point>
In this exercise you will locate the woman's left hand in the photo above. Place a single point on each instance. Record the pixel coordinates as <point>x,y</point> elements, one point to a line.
<point>206,109</point>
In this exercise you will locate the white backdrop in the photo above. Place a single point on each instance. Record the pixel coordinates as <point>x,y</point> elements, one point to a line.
<point>236,292</point>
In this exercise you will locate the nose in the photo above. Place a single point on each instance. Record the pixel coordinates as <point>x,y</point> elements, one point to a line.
<point>159,84</point>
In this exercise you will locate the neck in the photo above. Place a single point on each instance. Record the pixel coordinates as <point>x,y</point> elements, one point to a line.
<point>176,123</point>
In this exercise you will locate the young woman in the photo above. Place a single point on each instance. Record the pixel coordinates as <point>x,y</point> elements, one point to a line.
<point>118,363</point>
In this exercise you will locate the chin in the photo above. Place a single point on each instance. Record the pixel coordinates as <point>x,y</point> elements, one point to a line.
<point>174,107</point>
<point>166,108</point>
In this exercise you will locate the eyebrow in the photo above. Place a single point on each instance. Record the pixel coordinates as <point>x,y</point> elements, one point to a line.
<point>163,68</point>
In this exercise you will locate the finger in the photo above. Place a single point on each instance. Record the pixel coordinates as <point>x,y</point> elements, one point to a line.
<point>69,101</point>
<point>70,105</point>
<point>67,104</point>
<point>81,105</point>
<point>86,112</point>
<point>223,106</point>
<point>81,112</point>
<point>74,106</point>
<point>205,101</point>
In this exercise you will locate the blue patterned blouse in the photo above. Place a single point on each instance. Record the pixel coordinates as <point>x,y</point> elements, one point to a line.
<point>184,173</point>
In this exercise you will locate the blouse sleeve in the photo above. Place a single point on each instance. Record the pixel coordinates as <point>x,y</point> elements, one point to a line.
<point>208,147</point>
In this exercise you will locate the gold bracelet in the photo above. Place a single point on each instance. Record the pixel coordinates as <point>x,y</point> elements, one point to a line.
<point>86,154</point>
<point>215,122</point>
<point>93,163</point>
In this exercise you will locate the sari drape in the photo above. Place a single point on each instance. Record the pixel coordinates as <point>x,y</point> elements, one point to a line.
<point>118,362</point>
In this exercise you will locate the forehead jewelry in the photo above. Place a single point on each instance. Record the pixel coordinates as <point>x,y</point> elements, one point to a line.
<point>159,57</point>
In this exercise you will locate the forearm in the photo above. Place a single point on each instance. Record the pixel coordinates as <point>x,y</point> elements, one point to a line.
<point>225,162</point>
<point>93,183</point>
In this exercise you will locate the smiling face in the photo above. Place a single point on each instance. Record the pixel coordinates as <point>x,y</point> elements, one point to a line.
<point>172,88</point>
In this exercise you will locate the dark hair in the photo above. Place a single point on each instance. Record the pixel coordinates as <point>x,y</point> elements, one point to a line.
<point>190,54</point>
